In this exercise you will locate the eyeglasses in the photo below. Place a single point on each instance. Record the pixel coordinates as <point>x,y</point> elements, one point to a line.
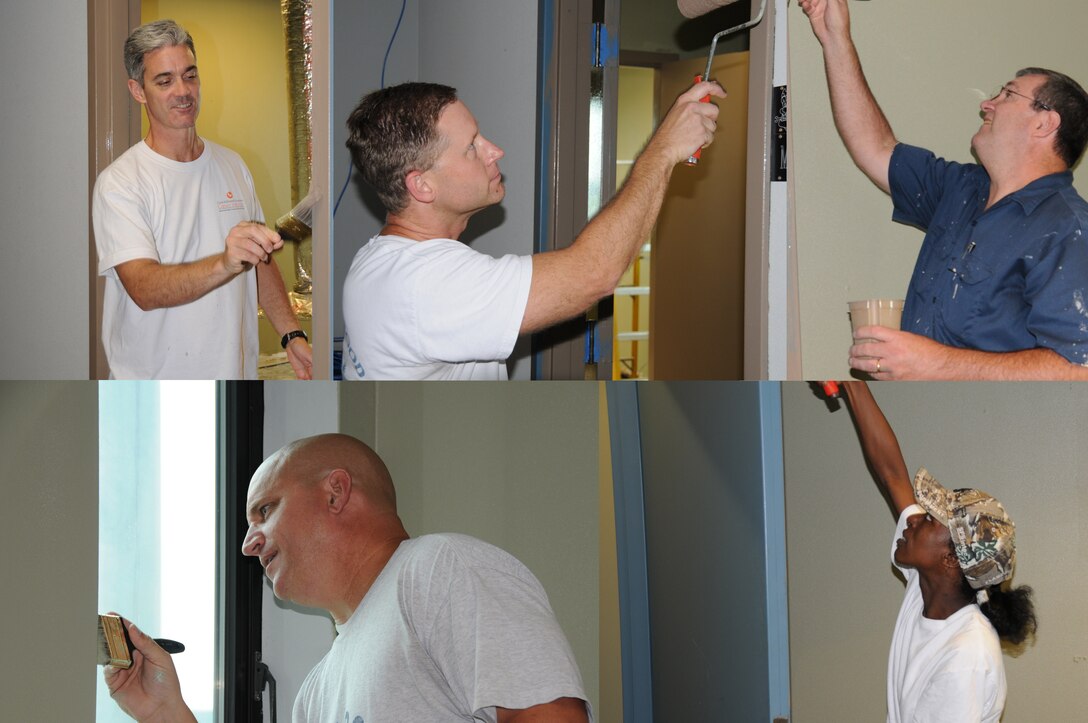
<point>1009,91</point>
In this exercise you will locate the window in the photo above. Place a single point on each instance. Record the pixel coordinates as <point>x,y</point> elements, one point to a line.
<point>158,524</point>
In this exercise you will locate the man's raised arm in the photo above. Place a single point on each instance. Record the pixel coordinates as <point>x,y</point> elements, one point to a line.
<point>567,281</point>
<point>860,121</point>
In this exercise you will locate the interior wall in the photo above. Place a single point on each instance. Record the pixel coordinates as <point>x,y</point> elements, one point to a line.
<point>611,669</point>
<point>929,63</point>
<point>49,443</point>
<point>361,34</point>
<point>241,53</point>
<point>488,51</point>
<point>45,191</point>
<point>515,465</point>
<point>294,638</point>
<point>703,482</point>
<point>1023,443</point>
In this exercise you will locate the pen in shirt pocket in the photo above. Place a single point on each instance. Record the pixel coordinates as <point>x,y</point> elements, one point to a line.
<point>956,288</point>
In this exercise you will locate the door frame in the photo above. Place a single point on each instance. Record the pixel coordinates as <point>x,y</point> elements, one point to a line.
<point>565,63</point>
<point>631,551</point>
<point>113,127</point>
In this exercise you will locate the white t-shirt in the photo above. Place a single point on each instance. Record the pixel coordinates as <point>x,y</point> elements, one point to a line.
<point>942,671</point>
<point>451,628</point>
<point>147,206</point>
<point>431,310</point>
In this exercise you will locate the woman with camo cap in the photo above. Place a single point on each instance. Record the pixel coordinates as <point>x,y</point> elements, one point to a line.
<point>957,550</point>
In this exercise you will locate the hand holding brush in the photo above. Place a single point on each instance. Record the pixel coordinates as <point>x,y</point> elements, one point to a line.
<point>149,688</point>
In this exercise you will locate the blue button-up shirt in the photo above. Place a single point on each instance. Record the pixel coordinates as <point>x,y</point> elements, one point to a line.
<point>1006,278</point>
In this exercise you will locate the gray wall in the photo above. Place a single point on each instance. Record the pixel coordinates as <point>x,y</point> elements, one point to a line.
<point>49,444</point>
<point>44,190</point>
<point>515,465</point>
<point>487,49</point>
<point>703,482</point>
<point>928,62</point>
<point>1023,443</point>
<point>294,638</point>
<point>360,36</point>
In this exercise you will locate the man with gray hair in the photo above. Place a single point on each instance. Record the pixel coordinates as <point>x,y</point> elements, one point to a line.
<point>180,236</point>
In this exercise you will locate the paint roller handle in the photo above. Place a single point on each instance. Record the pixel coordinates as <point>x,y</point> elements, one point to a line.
<point>693,159</point>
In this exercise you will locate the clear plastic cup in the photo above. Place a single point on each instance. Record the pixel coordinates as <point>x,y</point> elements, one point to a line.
<point>876,312</point>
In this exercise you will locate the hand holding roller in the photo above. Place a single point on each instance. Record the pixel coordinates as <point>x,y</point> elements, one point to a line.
<point>694,157</point>
<point>695,8</point>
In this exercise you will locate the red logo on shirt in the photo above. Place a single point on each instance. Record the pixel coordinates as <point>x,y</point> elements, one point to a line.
<point>231,204</point>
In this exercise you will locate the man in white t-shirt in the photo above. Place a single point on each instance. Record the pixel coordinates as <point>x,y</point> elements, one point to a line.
<point>430,630</point>
<point>418,303</point>
<point>957,550</point>
<point>181,239</point>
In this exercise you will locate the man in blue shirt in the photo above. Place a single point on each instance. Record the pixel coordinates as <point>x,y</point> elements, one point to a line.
<point>998,289</point>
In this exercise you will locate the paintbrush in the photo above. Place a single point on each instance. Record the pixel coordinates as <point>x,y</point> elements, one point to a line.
<point>296,224</point>
<point>115,647</point>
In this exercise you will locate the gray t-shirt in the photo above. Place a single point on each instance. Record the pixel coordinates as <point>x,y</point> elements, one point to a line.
<point>451,628</point>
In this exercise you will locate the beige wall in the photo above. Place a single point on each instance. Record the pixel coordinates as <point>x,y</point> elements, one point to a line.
<point>513,464</point>
<point>610,709</point>
<point>1024,443</point>
<point>928,63</point>
<point>49,444</point>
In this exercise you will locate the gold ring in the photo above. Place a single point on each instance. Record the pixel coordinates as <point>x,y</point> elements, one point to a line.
<point>877,366</point>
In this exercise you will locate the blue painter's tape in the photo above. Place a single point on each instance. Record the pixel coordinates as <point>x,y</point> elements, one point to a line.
<point>610,47</point>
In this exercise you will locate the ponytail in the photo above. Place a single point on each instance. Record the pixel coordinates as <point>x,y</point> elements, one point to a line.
<point>1011,611</point>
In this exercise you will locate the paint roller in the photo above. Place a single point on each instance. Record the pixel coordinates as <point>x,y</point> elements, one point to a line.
<point>695,8</point>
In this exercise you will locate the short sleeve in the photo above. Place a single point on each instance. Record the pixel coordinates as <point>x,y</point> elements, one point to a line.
<point>469,306</point>
<point>1056,291</point>
<point>122,231</point>
<point>957,695</point>
<point>918,180</point>
<point>495,637</point>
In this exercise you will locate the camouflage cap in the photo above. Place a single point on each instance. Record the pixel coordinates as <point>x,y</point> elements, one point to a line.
<point>982,534</point>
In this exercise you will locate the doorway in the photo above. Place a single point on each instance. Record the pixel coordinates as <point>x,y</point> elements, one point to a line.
<point>701,565</point>
<point>679,311</point>
<point>732,285</point>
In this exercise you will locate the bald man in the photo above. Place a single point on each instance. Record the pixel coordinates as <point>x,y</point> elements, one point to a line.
<point>437,628</point>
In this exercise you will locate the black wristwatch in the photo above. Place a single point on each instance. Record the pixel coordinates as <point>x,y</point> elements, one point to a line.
<point>291,335</point>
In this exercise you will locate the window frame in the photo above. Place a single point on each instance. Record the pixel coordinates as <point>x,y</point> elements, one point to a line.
<point>240,450</point>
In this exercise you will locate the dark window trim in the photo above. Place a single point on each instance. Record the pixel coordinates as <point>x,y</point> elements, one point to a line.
<point>240,415</point>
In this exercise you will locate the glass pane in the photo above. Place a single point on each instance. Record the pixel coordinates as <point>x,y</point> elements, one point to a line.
<point>157,532</point>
